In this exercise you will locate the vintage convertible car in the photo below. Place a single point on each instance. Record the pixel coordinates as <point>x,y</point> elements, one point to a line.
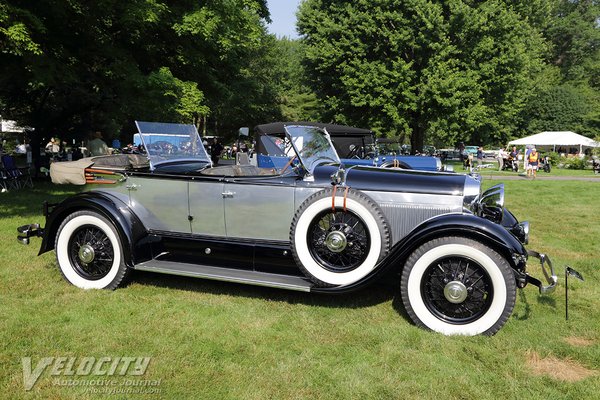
<point>310,225</point>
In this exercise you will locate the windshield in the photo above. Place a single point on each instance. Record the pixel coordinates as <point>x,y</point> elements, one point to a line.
<point>166,142</point>
<point>312,145</point>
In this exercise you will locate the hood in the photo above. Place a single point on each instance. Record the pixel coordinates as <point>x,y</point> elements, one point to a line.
<point>401,180</point>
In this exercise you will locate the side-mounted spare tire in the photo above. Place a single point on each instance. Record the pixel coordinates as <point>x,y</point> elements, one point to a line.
<point>338,236</point>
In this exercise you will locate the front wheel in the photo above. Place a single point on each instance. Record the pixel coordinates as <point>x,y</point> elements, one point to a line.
<point>89,252</point>
<point>458,286</point>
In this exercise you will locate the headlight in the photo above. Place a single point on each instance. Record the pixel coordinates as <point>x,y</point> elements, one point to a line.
<point>490,204</point>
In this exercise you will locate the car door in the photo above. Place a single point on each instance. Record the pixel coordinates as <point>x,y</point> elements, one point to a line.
<point>161,203</point>
<point>259,208</point>
<point>207,214</point>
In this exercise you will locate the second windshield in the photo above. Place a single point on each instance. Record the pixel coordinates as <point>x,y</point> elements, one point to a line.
<point>312,145</point>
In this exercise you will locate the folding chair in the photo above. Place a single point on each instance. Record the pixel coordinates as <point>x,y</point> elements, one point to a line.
<point>3,180</point>
<point>8,179</point>
<point>15,175</point>
<point>26,177</point>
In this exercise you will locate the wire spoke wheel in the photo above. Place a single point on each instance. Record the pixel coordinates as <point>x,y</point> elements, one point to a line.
<point>338,240</point>
<point>458,286</point>
<point>90,252</point>
<point>457,290</point>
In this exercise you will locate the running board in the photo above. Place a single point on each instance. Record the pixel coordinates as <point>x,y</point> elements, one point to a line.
<point>227,274</point>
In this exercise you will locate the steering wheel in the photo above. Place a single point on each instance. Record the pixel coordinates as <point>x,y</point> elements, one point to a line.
<point>287,165</point>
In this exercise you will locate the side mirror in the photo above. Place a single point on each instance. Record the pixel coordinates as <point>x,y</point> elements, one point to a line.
<point>244,131</point>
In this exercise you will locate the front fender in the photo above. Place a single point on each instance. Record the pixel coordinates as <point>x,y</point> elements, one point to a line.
<point>128,225</point>
<point>458,224</point>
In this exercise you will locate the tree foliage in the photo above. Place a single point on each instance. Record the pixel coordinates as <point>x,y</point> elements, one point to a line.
<point>568,94</point>
<point>77,65</point>
<point>298,102</point>
<point>564,108</point>
<point>434,71</point>
<point>574,32</point>
<point>447,70</point>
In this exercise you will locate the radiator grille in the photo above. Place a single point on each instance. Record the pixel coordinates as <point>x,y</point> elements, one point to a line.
<point>403,218</point>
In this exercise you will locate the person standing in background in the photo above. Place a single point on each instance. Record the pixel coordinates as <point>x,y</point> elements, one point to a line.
<point>479,157</point>
<point>526,157</point>
<point>532,163</point>
<point>461,152</point>
<point>215,151</point>
<point>501,156</point>
<point>96,146</point>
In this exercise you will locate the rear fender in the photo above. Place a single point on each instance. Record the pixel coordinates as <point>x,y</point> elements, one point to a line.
<point>129,227</point>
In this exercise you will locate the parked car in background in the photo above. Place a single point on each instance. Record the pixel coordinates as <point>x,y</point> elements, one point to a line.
<point>471,150</point>
<point>355,146</point>
<point>310,225</point>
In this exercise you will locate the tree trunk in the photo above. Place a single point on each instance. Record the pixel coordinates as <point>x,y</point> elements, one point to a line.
<point>417,137</point>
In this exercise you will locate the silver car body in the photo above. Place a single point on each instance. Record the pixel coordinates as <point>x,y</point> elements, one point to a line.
<point>261,207</point>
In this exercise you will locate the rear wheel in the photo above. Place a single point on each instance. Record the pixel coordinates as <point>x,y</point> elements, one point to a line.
<point>337,240</point>
<point>89,252</point>
<point>458,286</point>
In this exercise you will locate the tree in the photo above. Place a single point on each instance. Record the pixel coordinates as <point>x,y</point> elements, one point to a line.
<point>298,102</point>
<point>574,32</point>
<point>15,36</point>
<point>565,107</point>
<point>437,71</point>
<point>69,66</point>
<point>567,95</point>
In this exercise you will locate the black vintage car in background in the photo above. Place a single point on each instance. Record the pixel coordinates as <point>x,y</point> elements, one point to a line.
<point>310,225</point>
<point>354,146</point>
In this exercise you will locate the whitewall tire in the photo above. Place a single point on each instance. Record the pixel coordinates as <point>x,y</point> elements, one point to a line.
<point>89,252</point>
<point>458,286</point>
<point>338,241</point>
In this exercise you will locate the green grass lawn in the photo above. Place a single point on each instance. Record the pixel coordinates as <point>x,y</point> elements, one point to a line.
<point>493,170</point>
<point>212,340</point>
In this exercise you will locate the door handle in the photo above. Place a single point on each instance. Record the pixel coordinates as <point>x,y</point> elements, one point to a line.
<point>228,195</point>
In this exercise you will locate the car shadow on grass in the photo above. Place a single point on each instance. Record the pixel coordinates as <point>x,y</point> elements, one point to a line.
<point>526,313</point>
<point>372,295</point>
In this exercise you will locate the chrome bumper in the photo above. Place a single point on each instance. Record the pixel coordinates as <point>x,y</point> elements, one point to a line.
<point>28,231</point>
<point>548,272</point>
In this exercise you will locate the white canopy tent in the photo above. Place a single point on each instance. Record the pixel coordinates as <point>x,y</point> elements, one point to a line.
<point>552,140</point>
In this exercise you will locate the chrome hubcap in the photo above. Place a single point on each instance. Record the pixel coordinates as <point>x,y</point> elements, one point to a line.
<point>86,254</point>
<point>336,241</point>
<point>455,292</point>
